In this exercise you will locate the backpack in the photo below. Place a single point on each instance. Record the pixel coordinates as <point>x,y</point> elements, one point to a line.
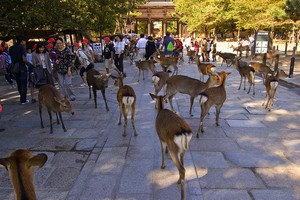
<point>170,46</point>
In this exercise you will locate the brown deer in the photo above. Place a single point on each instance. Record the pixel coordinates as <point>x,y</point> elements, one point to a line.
<point>20,165</point>
<point>271,84</point>
<point>188,85</point>
<point>127,99</point>
<point>239,49</point>
<point>145,65</point>
<point>204,68</point>
<point>97,81</point>
<point>246,72</point>
<point>174,134</point>
<point>228,58</point>
<point>262,69</point>
<point>165,62</point>
<point>51,98</point>
<point>159,80</point>
<point>214,96</point>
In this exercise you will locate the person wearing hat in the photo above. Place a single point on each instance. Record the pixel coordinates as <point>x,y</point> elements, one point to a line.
<point>108,54</point>
<point>85,64</point>
<point>18,56</point>
<point>88,50</point>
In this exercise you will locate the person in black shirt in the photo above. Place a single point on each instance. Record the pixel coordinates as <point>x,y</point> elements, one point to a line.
<point>150,48</point>
<point>18,55</point>
<point>108,54</point>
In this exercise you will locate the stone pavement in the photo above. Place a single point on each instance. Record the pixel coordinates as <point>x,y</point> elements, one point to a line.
<point>253,154</point>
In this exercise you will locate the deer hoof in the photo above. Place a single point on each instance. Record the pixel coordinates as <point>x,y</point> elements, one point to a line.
<point>119,123</point>
<point>124,134</point>
<point>163,166</point>
<point>135,134</point>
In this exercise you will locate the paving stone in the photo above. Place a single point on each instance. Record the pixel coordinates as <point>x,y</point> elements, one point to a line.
<point>55,144</point>
<point>223,194</point>
<point>134,197</point>
<point>255,159</point>
<point>209,159</point>
<point>268,194</point>
<point>50,195</point>
<point>292,145</point>
<point>260,144</point>
<point>293,157</point>
<point>85,145</point>
<point>233,178</point>
<point>236,132</point>
<point>244,123</point>
<point>69,159</point>
<point>212,145</point>
<point>288,176</point>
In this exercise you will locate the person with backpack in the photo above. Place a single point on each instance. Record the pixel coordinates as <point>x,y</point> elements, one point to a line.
<point>108,54</point>
<point>168,45</point>
<point>150,48</point>
<point>5,62</point>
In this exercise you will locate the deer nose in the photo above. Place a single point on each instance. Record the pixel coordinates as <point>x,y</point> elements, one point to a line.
<point>72,113</point>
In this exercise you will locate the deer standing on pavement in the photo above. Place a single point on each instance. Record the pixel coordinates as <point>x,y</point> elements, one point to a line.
<point>204,68</point>
<point>214,96</point>
<point>159,80</point>
<point>97,81</point>
<point>262,69</point>
<point>271,83</point>
<point>143,65</point>
<point>126,98</point>
<point>175,134</point>
<point>188,85</point>
<point>20,165</point>
<point>51,98</point>
<point>246,72</point>
<point>165,62</point>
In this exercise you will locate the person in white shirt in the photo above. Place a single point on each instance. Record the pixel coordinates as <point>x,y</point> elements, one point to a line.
<point>141,47</point>
<point>119,53</point>
<point>88,50</point>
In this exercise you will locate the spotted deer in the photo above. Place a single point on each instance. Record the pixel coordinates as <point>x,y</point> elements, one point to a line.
<point>20,165</point>
<point>174,134</point>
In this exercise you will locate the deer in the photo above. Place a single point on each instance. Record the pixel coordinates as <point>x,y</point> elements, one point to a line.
<point>261,68</point>
<point>159,80</point>
<point>144,65</point>
<point>204,68</point>
<point>165,62</point>
<point>174,134</point>
<point>51,98</point>
<point>126,99</point>
<point>20,165</point>
<point>188,85</point>
<point>270,55</point>
<point>271,84</point>
<point>240,49</point>
<point>227,57</point>
<point>214,96</point>
<point>246,72</point>
<point>97,81</point>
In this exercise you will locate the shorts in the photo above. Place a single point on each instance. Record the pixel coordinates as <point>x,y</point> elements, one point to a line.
<point>107,63</point>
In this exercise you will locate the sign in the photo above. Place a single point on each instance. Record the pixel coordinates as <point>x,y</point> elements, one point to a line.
<point>97,47</point>
<point>261,42</point>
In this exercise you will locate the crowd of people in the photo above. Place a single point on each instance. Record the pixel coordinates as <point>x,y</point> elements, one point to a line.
<point>56,58</point>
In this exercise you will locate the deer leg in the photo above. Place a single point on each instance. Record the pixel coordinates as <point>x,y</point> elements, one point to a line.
<point>240,82</point>
<point>90,91</point>
<point>244,82</point>
<point>95,96</point>
<point>204,110</point>
<point>218,110</point>
<point>170,100</point>
<point>40,111</point>
<point>50,117</point>
<point>191,105</point>
<point>139,75</point>
<point>143,71</point>
<point>62,122</point>
<point>163,150</point>
<point>132,119</point>
<point>120,106</point>
<point>57,121</point>
<point>178,164</point>
<point>104,97</point>
<point>125,120</point>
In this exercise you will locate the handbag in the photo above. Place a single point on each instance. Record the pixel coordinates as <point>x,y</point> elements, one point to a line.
<point>14,68</point>
<point>39,77</point>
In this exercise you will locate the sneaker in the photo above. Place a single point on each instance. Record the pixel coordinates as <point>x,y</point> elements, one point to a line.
<point>23,103</point>
<point>83,85</point>
<point>33,101</point>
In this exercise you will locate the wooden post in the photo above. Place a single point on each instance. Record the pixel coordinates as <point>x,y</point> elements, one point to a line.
<point>265,59</point>
<point>286,46</point>
<point>292,64</point>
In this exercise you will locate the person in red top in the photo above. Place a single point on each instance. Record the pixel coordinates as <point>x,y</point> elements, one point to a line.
<point>196,48</point>
<point>178,50</point>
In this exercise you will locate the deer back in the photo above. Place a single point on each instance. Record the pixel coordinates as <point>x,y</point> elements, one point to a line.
<point>97,80</point>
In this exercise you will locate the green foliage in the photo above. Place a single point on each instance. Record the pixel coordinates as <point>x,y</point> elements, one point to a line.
<point>292,9</point>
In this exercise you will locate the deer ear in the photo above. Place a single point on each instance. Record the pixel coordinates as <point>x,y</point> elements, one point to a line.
<point>5,162</point>
<point>38,160</point>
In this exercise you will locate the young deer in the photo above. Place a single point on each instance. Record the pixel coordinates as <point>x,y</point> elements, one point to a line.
<point>213,96</point>
<point>20,165</point>
<point>165,62</point>
<point>159,80</point>
<point>264,70</point>
<point>204,68</point>
<point>98,82</point>
<point>271,84</point>
<point>126,98</point>
<point>188,85</point>
<point>51,98</point>
<point>145,65</point>
<point>245,72</point>
<point>175,134</point>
